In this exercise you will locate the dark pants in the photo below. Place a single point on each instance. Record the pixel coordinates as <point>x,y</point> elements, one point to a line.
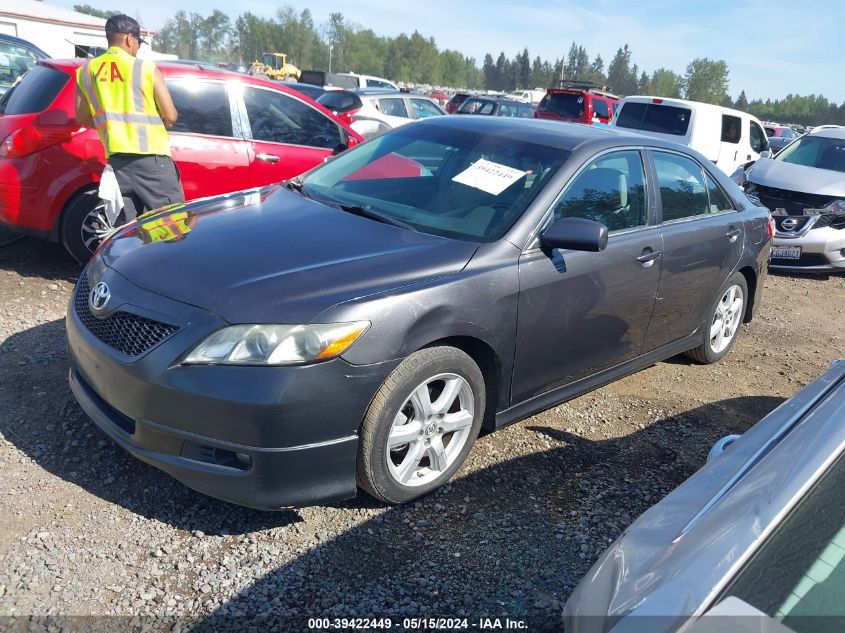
<point>146,182</point>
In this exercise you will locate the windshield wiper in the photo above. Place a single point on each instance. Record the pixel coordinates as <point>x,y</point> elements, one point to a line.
<point>373,215</point>
<point>295,184</point>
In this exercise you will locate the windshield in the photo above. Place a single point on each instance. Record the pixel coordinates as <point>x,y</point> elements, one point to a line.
<point>444,181</point>
<point>568,104</point>
<point>815,151</point>
<point>36,90</point>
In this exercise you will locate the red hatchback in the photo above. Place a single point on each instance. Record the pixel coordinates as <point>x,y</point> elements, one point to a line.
<point>577,105</point>
<point>234,132</point>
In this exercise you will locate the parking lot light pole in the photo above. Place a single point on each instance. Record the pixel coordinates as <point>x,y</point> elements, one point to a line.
<point>330,57</point>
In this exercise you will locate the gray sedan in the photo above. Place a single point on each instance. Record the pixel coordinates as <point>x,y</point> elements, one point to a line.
<point>760,531</point>
<point>361,324</point>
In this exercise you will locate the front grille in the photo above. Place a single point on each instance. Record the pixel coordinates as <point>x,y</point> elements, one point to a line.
<point>837,221</point>
<point>128,333</point>
<point>801,219</point>
<point>808,259</point>
<point>793,202</point>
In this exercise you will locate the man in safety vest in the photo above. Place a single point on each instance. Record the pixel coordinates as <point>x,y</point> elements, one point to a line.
<point>128,103</point>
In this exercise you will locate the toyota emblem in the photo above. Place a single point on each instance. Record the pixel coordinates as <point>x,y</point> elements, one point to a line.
<point>789,224</point>
<point>99,296</point>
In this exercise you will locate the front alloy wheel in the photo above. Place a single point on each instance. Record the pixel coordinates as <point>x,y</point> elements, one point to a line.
<point>421,424</point>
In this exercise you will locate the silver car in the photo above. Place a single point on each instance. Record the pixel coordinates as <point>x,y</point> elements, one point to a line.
<point>759,530</point>
<point>804,188</point>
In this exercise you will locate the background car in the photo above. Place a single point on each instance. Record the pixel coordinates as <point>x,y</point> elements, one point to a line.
<point>759,530</point>
<point>779,136</point>
<point>496,107</point>
<point>233,132</point>
<point>16,57</point>
<point>577,104</point>
<point>804,187</point>
<point>366,348</point>
<point>374,112</point>
<point>455,101</point>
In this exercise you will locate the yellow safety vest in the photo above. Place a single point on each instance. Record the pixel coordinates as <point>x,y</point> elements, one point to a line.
<point>119,89</point>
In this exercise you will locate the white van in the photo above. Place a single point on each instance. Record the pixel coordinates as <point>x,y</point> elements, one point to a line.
<point>727,137</point>
<point>369,81</point>
<point>527,96</point>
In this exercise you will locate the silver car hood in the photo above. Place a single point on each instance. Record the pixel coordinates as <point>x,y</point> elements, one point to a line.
<point>776,173</point>
<point>653,578</point>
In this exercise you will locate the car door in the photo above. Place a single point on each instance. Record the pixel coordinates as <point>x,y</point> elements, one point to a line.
<point>206,142</point>
<point>579,312</point>
<point>702,242</point>
<point>285,135</point>
<point>733,137</point>
<point>394,110</point>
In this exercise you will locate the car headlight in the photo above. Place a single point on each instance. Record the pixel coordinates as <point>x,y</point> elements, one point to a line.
<point>276,344</point>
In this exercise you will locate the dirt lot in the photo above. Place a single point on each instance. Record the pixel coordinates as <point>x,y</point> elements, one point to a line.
<point>86,529</point>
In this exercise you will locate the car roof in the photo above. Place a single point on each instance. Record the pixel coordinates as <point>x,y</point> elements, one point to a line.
<point>837,132</point>
<point>558,134</point>
<point>21,42</point>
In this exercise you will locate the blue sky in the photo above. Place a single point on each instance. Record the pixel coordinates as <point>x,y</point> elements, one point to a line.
<point>772,47</point>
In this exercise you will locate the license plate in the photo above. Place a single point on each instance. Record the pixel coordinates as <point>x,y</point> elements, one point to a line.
<point>786,252</point>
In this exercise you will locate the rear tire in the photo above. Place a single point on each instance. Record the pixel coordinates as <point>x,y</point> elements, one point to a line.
<point>726,314</point>
<point>421,425</point>
<point>84,225</point>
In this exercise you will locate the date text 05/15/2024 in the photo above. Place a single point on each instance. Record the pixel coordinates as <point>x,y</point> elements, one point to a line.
<point>409,624</point>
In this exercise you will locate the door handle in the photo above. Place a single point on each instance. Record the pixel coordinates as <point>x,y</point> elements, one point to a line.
<point>267,158</point>
<point>733,234</point>
<point>648,257</point>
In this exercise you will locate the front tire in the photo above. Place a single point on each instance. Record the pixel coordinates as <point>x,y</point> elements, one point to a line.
<point>421,425</point>
<point>84,225</point>
<point>721,329</point>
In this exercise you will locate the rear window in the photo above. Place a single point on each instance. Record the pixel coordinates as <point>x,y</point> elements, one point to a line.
<point>37,89</point>
<point>568,104</point>
<point>340,101</point>
<point>652,117</point>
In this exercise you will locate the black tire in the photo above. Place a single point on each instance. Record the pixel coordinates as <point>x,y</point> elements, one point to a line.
<point>705,353</point>
<point>373,473</point>
<point>78,215</point>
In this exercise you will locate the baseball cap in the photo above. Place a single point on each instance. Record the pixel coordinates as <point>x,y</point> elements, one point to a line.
<point>124,24</point>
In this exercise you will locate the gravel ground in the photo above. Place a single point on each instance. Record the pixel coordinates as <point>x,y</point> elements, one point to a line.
<point>87,530</point>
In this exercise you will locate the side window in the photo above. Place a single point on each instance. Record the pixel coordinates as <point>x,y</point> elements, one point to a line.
<point>424,109</point>
<point>611,190</point>
<point>486,108</point>
<point>375,83</point>
<point>278,118</point>
<point>759,142</point>
<point>683,191</point>
<point>393,107</point>
<point>731,128</point>
<point>14,61</point>
<point>718,199</point>
<point>203,107</point>
<point>769,131</point>
<point>600,108</point>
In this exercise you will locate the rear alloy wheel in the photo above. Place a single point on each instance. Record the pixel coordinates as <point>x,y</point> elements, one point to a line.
<point>84,226</point>
<point>421,425</point>
<point>720,333</point>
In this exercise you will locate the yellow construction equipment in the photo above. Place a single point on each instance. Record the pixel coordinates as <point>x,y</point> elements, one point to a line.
<point>274,66</point>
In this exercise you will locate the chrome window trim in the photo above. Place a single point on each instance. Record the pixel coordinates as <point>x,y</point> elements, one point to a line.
<point>532,243</point>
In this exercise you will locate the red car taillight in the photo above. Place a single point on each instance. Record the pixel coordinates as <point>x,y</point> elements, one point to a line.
<point>30,139</point>
<point>347,116</point>
<point>771,228</point>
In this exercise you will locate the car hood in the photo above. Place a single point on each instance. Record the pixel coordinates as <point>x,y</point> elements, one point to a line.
<point>776,173</point>
<point>272,256</point>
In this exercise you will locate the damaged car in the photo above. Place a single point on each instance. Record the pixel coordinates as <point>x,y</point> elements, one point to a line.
<point>804,188</point>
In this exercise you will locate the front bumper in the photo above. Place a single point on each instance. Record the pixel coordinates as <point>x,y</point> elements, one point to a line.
<point>821,251</point>
<point>264,437</point>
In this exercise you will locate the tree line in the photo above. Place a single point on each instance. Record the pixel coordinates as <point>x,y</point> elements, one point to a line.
<point>345,46</point>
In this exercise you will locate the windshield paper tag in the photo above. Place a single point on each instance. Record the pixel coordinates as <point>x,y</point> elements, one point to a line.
<point>489,176</point>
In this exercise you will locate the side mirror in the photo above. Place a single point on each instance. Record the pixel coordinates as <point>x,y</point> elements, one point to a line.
<point>575,234</point>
